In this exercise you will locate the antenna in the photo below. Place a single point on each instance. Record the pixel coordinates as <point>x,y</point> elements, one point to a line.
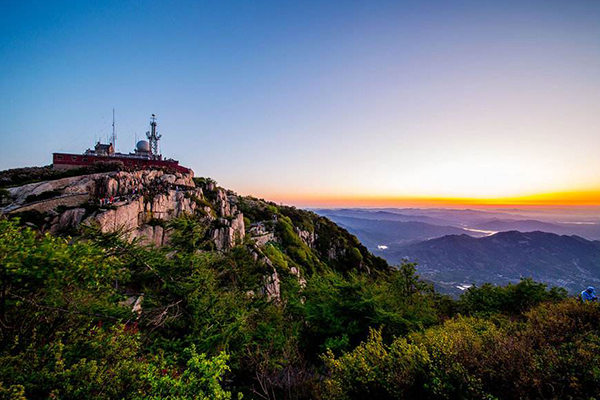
<point>113,138</point>
<point>153,136</point>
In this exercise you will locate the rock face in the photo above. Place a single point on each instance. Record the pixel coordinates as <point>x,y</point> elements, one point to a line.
<point>231,233</point>
<point>262,240</point>
<point>273,286</point>
<point>69,219</point>
<point>151,235</point>
<point>132,215</point>
<point>138,203</point>
<point>307,237</point>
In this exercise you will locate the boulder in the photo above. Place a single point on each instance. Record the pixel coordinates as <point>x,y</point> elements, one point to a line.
<point>230,234</point>
<point>307,237</point>
<point>273,286</point>
<point>69,219</point>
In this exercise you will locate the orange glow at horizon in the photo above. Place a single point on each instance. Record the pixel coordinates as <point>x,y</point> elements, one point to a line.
<point>582,198</point>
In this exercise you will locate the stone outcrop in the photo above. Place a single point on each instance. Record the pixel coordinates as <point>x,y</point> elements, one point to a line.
<point>132,216</point>
<point>106,184</point>
<point>295,271</point>
<point>76,185</point>
<point>308,237</point>
<point>68,219</point>
<point>231,232</point>
<point>151,235</point>
<point>224,206</point>
<point>262,240</point>
<point>273,286</point>
<point>138,203</point>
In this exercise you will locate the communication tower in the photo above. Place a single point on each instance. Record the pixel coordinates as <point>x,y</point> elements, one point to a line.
<point>153,136</point>
<point>113,138</point>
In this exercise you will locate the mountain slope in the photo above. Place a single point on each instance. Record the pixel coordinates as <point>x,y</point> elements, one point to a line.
<point>568,261</point>
<point>380,215</point>
<point>382,232</point>
<point>143,204</point>
<point>503,225</point>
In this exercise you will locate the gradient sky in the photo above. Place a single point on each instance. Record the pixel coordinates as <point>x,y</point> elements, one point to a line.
<point>318,102</point>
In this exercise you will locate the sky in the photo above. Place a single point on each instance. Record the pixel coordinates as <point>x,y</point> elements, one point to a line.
<point>319,103</point>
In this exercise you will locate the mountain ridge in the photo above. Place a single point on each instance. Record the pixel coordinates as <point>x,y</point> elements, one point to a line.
<point>569,261</point>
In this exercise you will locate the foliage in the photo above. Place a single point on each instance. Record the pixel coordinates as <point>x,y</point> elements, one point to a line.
<point>510,299</point>
<point>204,181</point>
<point>340,310</point>
<point>295,247</point>
<point>200,380</point>
<point>257,210</point>
<point>552,355</point>
<point>188,233</point>
<point>107,363</point>
<point>5,196</point>
<point>48,271</point>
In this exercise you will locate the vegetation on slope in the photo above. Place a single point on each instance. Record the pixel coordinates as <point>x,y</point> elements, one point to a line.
<point>94,316</point>
<point>550,352</point>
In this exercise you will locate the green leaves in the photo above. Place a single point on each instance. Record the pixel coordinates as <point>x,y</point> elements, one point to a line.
<point>340,309</point>
<point>44,271</point>
<point>201,379</point>
<point>510,299</point>
<point>552,354</point>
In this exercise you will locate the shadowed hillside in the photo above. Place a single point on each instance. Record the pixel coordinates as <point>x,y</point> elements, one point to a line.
<point>568,261</point>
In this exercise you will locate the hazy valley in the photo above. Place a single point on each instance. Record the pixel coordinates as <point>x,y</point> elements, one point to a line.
<point>458,248</point>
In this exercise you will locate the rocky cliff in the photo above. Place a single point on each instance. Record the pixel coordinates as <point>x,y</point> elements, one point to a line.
<point>154,207</point>
<point>138,203</point>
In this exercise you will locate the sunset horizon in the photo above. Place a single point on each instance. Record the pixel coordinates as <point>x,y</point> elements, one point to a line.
<point>570,199</point>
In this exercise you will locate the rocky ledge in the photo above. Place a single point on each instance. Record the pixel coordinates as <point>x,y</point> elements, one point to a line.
<point>138,203</point>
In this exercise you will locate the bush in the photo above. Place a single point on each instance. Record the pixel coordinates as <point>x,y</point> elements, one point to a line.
<point>5,196</point>
<point>553,354</point>
<point>108,363</point>
<point>510,299</point>
<point>340,309</point>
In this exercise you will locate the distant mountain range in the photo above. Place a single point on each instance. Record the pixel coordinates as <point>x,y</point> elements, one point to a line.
<point>589,231</point>
<point>469,221</point>
<point>568,261</point>
<point>461,247</point>
<point>383,215</point>
<point>374,233</point>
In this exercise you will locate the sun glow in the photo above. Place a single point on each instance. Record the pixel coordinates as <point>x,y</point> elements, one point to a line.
<point>587,198</point>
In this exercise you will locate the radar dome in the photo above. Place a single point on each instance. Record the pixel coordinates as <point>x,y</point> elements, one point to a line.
<point>143,145</point>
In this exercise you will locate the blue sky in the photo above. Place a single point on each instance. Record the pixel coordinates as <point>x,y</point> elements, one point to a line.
<point>302,100</point>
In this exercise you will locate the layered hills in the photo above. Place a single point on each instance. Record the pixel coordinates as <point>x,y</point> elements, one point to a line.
<point>455,260</point>
<point>459,248</point>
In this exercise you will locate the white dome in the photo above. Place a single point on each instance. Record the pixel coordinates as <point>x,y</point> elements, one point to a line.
<point>143,145</point>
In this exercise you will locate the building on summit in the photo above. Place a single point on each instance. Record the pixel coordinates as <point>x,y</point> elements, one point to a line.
<point>145,154</point>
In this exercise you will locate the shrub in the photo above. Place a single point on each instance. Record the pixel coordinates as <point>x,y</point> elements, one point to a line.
<point>553,354</point>
<point>108,363</point>
<point>510,299</point>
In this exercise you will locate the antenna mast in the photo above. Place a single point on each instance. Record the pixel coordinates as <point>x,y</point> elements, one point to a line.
<point>113,138</point>
<point>153,136</point>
